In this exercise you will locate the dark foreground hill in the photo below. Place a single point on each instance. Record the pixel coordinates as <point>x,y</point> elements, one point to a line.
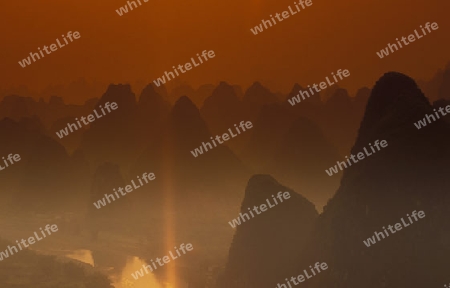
<point>410,174</point>
<point>26,269</point>
<point>264,248</point>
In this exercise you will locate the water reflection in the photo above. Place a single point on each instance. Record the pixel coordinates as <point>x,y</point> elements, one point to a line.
<point>124,278</point>
<point>81,255</point>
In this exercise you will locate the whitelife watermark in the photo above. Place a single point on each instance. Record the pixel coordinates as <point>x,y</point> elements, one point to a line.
<point>124,9</point>
<point>225,137</point>
<point>140,273</point>
<point>31,240</point>
<point>422,123</point>
<point>128,189</point>
<point>319,267</point>
<point>53,48</point>
<point>12,159</point>
<point>90,118</point>
<point>323,85</point>
<point>411,38</point>
<point>398,227</point>
<point>360,155</point>
<point>284,15</point>
<point>188,66</point>
<point>233,223</point>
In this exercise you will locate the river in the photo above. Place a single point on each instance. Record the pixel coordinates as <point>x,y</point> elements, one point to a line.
<point>124,278</point>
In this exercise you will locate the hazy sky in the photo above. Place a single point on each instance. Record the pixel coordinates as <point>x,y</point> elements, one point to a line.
<point>142,44</point>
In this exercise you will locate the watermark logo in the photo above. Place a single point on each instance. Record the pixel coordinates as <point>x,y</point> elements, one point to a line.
<point>397,226</point>
<point>102,202</point>
<point>319,267</point>
<point>11,250</point>
<point>35,56</point>
<point>284,15</point>
<point>225,137</point>
<point>411,38</point>
<point>323,85</point>
<point>422,123</point>
<point>187,66</point>
<point>235,222</point>
<point>12,159</point>
<point>166,259</point>
<point>71,126</point>
<point>360,155</point>
<point>124,9</point>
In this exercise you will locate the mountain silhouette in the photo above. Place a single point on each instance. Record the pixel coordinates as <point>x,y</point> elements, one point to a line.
<point>195,196</point>
<point>255,97</point>
<point>410,174</point>
<point>222,110</point>
<point>115,131</point>
<point>265,248</point>
<point>208,182</point>
<point>153,111</point>
<point>184,131</point>
<point>301,159</point>
<point>41,180</point>
<point>269,129</point>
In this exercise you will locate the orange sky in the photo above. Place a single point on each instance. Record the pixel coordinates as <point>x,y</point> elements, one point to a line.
<point>142,44</point>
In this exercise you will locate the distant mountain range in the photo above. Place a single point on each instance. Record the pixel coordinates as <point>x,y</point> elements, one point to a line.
<point>410,174</point>
<point>288,149</point>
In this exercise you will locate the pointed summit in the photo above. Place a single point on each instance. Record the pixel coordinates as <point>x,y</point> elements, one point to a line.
<point>314,99</point>
<point>152,104</point>
<point>185,105</point>
<point>186,116</point>
<point>394,105</point>
<point>294,91</point>
<point>411,173</point>
<point>148,95</point>
<point>121,94</point>
<point>118,130</point>
<point>255,98</point>
<point>265,248</point>
<point>221,93</point>
<point>391,88</point>
<point>222,110</point>
<point>172,155</point>
<point>222,100</point>
<point>257,93</point>
<point>153,108</point>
